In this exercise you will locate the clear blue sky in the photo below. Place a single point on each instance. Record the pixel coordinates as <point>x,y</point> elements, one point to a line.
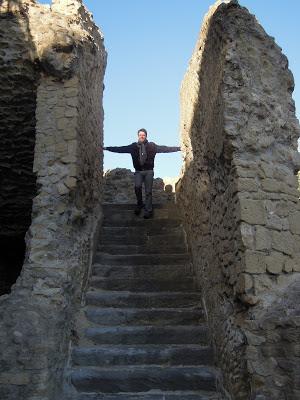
<point>149,44</point>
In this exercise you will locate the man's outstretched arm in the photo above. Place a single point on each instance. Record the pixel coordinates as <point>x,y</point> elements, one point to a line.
<point>119,149</point>
<point>167,149</point>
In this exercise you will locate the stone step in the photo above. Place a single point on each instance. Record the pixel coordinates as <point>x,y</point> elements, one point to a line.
<point>185,334</point>
<point>115,207</point>
<point>143,285</point>
<point>138,222</point>
<point>144,316</point>
<point>140,271</point>
<point>157,395</point>
<point>129,215</point>
<point>141,238</point>
<point>135,259</point>
<point>139,231</point>
<point>159,248</point>
<point>142,354</point>
<point>142,378</point>
<point>143,299</point>
<point>159,210</point>
<point>130,206</point>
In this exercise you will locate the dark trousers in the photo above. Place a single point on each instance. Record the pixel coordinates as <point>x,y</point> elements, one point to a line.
<point>147,178</point>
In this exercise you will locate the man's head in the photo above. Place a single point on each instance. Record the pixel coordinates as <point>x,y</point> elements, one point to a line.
<point>142,135</point>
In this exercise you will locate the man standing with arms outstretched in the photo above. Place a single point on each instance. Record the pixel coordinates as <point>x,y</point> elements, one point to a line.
<point>143,154</point>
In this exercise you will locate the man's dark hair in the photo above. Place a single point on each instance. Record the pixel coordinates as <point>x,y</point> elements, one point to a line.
<point>143,130</point>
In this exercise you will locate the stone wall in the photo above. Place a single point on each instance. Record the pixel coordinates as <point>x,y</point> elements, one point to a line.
<point>36,318</point>
<point>119,187</point>
<point>239,199</point>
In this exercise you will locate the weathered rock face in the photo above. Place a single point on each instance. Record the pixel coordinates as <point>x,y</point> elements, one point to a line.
<point>238,194</point>
<point>54,119</point>
<point>119,187</point>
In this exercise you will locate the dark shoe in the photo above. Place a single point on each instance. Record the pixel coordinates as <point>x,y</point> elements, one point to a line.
<point>147,214</point>
<point>138,210</point>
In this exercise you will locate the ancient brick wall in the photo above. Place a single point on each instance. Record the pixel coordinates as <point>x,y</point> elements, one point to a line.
<point>238,195</point>
<point>36,317</point>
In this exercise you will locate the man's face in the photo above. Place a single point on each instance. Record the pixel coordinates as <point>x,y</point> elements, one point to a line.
<point>142,136</point>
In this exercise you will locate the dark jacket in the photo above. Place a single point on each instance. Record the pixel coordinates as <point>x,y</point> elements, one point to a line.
<point>151,149</point>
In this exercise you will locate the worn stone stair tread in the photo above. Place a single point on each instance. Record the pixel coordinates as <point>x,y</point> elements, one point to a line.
<point>158,222</point>
<point>150,354</point>
<point>143,316</point>
<point>125,259</point>
<point>143,377</point>
<point>158,213</point>
<point>131,206</point>
<point>150,267</point>
<point>120,298</point>
<point>138,249</point>
<point>141,239</point>
<point>153,395</point>
<point>129,219</point>
<point>146,271</point>
<point>141,284</point>
<point>149,334</point>
<point>142,229</point>
<point>165,213</point>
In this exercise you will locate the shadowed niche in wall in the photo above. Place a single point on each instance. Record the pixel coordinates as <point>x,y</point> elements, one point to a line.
<point>18,81</point>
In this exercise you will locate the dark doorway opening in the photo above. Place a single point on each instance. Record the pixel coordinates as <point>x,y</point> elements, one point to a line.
<point>19,77</point>
<point>11,261</point>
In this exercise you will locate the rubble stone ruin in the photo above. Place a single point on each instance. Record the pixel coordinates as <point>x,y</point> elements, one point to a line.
<point>237,200</point>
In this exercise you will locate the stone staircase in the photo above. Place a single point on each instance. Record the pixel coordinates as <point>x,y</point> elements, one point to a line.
<point>142,332</point>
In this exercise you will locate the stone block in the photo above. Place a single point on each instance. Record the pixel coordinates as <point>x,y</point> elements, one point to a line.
<point>271,185</point>
<point>72,146</point>
<point>253,339</point>
<point>69,133</point>
<point>288,265</point>
<point>243,172</point>
<point>71,112</point>
<point>62,189</point>
<point>247,185</point>
<point>263,240</point>
<point>293,262</point>
<point>267,169</point>
<point>70,182</point>
<point>248,235</point>
<point>263,283</point>
<point>73,170</point>
<point>274,221</point>
<point>59,112</point>
<point>255,262</point>
<point>71,83</point>
<point>275,262</point>
<point>252,211</point>
<point>283,242</point>
<point>244,283</point>
<point>294,222</point>
<point>61,147</point>
<point>69,159</point>
<point>71,92</point>
<point>62,123</point>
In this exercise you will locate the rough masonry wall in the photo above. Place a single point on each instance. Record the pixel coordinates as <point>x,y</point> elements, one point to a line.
<point>118,187</point>
<point>238,195</point>
<point>37,317</point>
